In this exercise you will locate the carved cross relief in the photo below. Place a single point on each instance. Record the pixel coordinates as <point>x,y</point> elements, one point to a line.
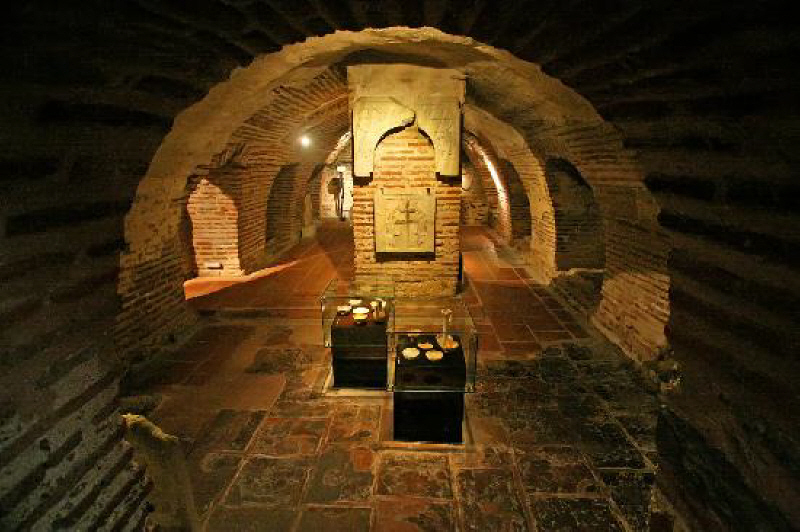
<point>404,220</point>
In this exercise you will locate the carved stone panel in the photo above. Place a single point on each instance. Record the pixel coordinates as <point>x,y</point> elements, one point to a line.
<point>440,118</point>
<point>372,118</point>
<point>404,220</point>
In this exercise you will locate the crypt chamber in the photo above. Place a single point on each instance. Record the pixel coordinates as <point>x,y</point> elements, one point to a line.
<point>400,266</point>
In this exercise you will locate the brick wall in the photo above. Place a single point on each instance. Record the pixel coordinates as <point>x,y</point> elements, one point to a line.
<point>486,166</point>
<point>474,207</point>
<point>214,213</point>
<point>579,225</point>
<point>634,305</point>
<point>519,205</point>
<point>706,96</point>
<point>406,158</point>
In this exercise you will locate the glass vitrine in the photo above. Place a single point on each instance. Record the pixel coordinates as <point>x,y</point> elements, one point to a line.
<point>433,346</point>
<point>340,298</point>
<point>432,362</point>
<point>356,319</point>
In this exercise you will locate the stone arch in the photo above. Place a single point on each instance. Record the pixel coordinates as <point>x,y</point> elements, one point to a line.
<point>519,205</point>
<point>474,202</point>
<point>579,224</point>
<point>280,220</point>
<point>558,114</point>
<point>213,212</point>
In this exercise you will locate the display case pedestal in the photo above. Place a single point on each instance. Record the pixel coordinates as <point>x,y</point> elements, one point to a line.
<point>358,353</point>
<point>428,416</point>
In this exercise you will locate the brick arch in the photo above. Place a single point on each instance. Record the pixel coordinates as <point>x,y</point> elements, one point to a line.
<point>579,225</point>
<point>705,95</point>
<point>316,94</point>
<point>251,108</point>
<point>280,218</point>
<point>212,213</point>
<point>521,226</point>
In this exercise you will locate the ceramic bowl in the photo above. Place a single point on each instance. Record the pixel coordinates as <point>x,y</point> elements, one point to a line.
<point>354,302</point>
<point>425,345</point>
<point>434,355</point>
<point>360,310</point>
<point>343,309</point>
<point>410,353</point>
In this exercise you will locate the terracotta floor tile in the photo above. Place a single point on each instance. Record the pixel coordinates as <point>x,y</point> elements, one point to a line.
<point>575,514</point>
<point>269,482</point>
<point>490,500</point>
<point>521,348</point>
<point>404,514</point>
<point>343,473</point>
<point>229,430</point>
<point>488,342</point>
<point>512,332</point>
<point>543,322</point>
<point>355,423</point>
<point>414,474</point>
<point>556,470</point>
<point>210,475</point>
<point>333,519</point>
<point>289,436</point>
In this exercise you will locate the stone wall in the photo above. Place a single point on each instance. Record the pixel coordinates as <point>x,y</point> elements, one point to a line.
<point>402,159</point>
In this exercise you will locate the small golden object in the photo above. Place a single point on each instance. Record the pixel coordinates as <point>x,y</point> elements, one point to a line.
<point>410,353</point>
<point>434,355</point>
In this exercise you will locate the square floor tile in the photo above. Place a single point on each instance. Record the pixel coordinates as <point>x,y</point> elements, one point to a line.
<point>210,475</point>
<point>355,423</point>
<point>490,501</point>
<point>555,470</point>
<point>410,514</point>
<point>334,519</point>
<point>414,474</point>
<point>512,332</point>
<point>342,473</point>
<point>269,482</point>
<point>578,515</point>
<point>289,436</point>
<point>229,430</point>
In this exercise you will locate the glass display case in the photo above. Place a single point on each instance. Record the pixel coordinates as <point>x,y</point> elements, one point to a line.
<point>356,319</point>
<point>433,346</point>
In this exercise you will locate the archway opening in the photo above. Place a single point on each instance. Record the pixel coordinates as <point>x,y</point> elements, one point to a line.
<point>580,249</point>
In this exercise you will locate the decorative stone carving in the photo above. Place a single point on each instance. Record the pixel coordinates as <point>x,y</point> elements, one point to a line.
<point>372,117</point>
<point>389,96</point>
<point>404,220</point>
<point>440,118</point>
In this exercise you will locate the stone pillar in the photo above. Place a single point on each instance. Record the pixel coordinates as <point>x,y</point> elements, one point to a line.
<point>407,176</point>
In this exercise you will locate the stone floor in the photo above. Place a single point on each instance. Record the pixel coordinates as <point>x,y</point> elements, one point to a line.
<point>559,434</point>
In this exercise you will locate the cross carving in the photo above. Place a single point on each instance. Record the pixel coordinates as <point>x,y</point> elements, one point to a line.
<point>407,222</point>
